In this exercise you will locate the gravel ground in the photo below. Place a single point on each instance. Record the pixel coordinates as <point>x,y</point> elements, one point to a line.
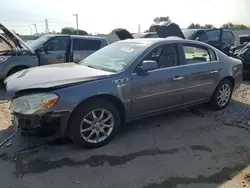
<point>237,113</point>
<point>190,148</point>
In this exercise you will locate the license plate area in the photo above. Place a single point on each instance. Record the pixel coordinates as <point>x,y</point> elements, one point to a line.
<point>23,122</point>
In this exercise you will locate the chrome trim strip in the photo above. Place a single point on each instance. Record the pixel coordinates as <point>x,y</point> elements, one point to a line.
<point>187,103</point>
<point>198,85</point>
<point>161,93</point>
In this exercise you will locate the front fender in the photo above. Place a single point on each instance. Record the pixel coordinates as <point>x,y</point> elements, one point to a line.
<point>71,97</point>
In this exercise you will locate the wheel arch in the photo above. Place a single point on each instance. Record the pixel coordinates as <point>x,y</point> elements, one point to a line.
<point>108,97</point>
<point>230,78</point>
<point>17,67</point>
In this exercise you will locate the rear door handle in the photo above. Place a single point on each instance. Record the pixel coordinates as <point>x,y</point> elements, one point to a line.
<point>178,78</point>
<point>214,71</point>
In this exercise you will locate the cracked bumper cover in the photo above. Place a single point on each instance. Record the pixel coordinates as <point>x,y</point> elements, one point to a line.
<point>51,121</point>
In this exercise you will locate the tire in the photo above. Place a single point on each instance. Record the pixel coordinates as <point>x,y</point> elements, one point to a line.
<point>83,112</point>
<point>215,100</point>
<point>16,69</point>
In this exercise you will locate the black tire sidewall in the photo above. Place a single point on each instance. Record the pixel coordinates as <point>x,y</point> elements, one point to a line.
<point>214,101</point>
<point>82,111</point>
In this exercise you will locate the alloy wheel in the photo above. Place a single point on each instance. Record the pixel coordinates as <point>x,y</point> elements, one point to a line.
<point>97,126</point>
<point>223,95</point>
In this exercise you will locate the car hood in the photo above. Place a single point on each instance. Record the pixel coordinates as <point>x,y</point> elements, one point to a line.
<point>6,41</point>
<point>14,39</point>
<point>50,76</point>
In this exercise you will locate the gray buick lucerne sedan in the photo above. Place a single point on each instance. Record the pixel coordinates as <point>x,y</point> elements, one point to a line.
<point>126,80</point>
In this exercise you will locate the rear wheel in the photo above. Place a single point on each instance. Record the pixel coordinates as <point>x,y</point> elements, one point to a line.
<point>222,95</point>
<point>94,124</point>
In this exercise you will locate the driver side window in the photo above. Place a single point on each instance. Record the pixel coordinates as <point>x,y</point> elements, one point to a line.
<point>165,56</point>
<point>58,44</point>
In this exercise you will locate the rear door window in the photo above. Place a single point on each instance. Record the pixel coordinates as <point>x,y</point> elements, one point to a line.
<point>86,44</point>
<point>196,54</point>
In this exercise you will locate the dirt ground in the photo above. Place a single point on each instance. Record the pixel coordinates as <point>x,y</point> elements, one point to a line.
<point>4,46</point>
<point>5,117</point>
<point>191,148</point>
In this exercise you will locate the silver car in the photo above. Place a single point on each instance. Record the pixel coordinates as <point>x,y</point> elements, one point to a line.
<point>126,80</point>
<point>16,55</point>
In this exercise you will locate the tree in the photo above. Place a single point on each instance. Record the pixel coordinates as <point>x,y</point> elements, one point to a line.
<point>161,19</point>
<point>72,31</point>
<point>68,30</point>
<point>198,26</point>
<point>194,26</point>
<point>80,32</point>
<point>234,26</point>
<point>209,26</point>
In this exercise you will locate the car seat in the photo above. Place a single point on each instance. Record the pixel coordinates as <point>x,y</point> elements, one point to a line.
<point>168,57</point>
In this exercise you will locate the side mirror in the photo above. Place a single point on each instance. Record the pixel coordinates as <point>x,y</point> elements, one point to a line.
<point>148,65</point>
<point>197,38</point>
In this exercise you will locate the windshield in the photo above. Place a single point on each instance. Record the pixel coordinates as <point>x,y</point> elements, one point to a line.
<point>39,42</point>
<point>115,57</point>
<point>188,33</point>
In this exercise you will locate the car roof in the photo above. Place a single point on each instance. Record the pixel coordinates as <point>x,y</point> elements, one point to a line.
<point>87,36</point>
<point>203,29</point>
<point>75,36</point>
<point>151,41</point>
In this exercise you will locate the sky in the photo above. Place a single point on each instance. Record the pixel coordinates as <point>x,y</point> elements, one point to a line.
<point>102,16</point>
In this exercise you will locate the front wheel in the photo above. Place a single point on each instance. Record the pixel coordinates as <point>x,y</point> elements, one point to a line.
<point>222,95</point>
<point>94,124</point>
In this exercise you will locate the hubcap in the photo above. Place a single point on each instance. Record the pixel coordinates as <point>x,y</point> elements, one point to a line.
<point>223,95</point>
<point>97,125</point>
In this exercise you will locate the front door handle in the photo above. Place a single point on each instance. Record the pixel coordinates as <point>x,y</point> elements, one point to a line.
<point>59,57</point>
<point>178,78</point>
<point>214,71</point>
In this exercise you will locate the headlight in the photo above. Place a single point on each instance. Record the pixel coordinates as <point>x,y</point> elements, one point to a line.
<point>34,104</point>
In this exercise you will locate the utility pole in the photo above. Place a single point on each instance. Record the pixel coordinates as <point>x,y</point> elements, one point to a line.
<point>139,28</point>
<point>76,15</point>
<point>31,31</point>
<point>46,26</point>
<point>35,28</point>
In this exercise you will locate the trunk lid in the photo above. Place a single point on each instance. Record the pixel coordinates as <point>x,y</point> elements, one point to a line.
<point>167,29</point>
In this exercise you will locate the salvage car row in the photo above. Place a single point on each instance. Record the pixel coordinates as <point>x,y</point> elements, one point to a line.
<point>88,100</point>
<point>52,49</point>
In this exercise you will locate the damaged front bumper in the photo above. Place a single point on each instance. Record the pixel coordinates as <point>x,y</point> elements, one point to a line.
<point>46,123</point>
